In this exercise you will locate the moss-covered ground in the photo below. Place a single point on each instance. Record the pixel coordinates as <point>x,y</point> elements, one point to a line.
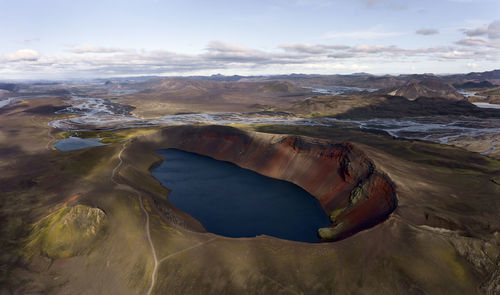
<point>109,136</point>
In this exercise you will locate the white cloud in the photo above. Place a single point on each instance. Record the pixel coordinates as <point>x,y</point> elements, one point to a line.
<point>477,31</point>
<point>89,61</point>
<point>310,49</point>
<point>357,67</point>
<point>472,65</point>
<point>83,49</point>
<point>492,30</point>
<point>22,55</point>
<point>227,52</point>
<point>456,54</point>
<point>427,32</point>
<point>477,42</point>
<point>303,48</point>
<point>366,34</point>
<point>325,66</point>
<point>487,36</point>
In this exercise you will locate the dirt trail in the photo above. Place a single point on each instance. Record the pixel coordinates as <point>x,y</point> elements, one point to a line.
<point>49,133</point>
<point>128,188</point>
<point>153,250</point>
<point>148,231</point>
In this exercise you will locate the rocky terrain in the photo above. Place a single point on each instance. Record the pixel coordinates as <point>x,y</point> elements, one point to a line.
<point>408,216</point>
<point>366,80</point>
<point>427,88</point>
<point>171,96</point>
<point>492,95</point>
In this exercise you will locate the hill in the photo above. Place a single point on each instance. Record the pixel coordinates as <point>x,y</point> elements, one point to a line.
<point>431,88</point>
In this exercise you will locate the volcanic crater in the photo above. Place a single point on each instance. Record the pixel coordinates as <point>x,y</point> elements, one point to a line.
<point>351,190</point>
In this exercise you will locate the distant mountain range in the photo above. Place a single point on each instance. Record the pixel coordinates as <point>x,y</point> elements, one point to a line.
<point>356,79</point>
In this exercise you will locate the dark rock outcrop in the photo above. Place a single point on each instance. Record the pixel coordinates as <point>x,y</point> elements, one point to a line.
<point>472,84</point>
<point>9,87</point>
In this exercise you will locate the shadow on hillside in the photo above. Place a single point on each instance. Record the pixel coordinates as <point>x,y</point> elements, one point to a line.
<point>399,107</point>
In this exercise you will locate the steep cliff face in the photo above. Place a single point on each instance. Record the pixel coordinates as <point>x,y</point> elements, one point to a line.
<point>340,176</point>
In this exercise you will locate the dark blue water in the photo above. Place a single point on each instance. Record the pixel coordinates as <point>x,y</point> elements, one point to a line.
<point>236,202</point>
<point>75,143</point>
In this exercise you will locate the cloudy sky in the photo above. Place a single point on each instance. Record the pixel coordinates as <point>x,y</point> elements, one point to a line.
<point>58,39</point>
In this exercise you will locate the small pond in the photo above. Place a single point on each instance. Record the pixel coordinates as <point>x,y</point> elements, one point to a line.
<point>75,143</point>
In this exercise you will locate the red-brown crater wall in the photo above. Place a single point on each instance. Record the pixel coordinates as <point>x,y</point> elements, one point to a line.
<point>329,172</point>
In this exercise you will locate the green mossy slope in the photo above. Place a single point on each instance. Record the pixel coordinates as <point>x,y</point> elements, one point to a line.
<point>67,232</point>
